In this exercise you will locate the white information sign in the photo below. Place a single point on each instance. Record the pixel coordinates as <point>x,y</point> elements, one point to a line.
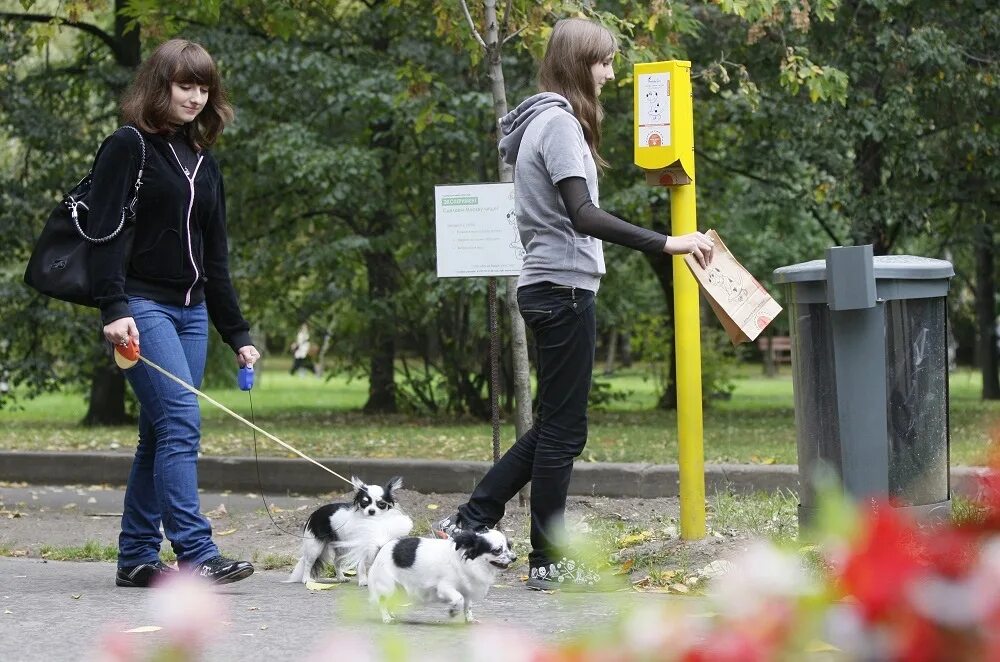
<point>654,110</point>
<point>476,231</point>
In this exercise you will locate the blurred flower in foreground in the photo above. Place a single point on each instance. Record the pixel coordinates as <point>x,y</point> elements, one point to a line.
<point>187,611</point>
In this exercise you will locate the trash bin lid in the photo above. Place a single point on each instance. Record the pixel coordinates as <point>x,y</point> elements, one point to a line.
<point>901,267</point>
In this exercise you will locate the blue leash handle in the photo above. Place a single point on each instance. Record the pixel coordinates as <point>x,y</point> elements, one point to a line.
<point>244,378</point>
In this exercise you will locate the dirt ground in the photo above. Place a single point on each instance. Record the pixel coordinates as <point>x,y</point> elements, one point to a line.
<point>637,537</point>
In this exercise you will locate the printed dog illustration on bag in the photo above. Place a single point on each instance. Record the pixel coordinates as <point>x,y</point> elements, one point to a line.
<point>733,288</point>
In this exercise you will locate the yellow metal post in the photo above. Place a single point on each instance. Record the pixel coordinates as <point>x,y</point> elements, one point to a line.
<point>664,148</point>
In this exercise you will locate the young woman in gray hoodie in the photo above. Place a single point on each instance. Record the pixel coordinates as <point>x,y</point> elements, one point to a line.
<point>552,140</point>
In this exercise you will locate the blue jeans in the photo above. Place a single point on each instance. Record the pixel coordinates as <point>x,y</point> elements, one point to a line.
<point>163,483</point>
<point>563,321</point>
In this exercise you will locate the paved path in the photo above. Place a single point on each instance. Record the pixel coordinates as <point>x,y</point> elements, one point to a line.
<point>61,610</point>
<point>51,610</point>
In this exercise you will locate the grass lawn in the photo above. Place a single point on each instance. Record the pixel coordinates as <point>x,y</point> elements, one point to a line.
<point>322,418</point>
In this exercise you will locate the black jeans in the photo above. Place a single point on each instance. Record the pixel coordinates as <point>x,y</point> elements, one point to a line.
<point>564,324</point>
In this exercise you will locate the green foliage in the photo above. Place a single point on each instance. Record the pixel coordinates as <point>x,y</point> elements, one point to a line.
<point>817,123</point>
<point>89,551</point>
<point>653,344</point>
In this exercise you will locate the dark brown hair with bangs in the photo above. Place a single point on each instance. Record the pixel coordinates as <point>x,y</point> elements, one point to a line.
<point>576,45</point>
<point>146,103</point>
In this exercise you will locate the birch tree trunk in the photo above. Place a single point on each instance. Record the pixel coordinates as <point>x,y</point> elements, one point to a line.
<point>492,42</point>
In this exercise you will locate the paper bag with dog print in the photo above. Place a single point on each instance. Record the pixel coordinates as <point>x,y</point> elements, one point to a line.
<point>741,303</point>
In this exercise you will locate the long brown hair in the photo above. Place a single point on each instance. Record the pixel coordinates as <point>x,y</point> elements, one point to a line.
<point>146,103</point>
<point>575,46</point>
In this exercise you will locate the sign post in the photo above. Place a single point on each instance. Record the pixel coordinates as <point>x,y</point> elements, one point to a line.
<point>476,235</point>
<point>664,148</point>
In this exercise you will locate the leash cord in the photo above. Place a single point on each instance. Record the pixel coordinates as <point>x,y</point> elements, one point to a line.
<point>260,482</point>
<point>255,428</point>
<point>241,419</point>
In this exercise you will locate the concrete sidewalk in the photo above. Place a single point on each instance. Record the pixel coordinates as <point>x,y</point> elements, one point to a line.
<point>63,611</point>
<point>51,610</point>
<point>282,475</point>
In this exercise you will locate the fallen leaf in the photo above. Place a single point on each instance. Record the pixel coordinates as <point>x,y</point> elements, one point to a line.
<point>253,608</point>
<point>318,586</point>
<point>819,646</point>
<point>227,532</point>
<point>635,539</point>
<point>432,506</point>
<point>7,611</point>
<point>626,567</point>
<point>218,512</point>
<point>69,506</point>
<point>91,500</point>
<point>144,628</point>
<point>76,596</point>
<point>263,627</point>
<point>679,588</point>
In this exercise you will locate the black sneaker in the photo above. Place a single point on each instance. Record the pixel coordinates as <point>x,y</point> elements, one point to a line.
<point>143,575</point>
<point>450,526</point>
<point>447,527</point>
<point>566,575</point>
<point>220,570</point>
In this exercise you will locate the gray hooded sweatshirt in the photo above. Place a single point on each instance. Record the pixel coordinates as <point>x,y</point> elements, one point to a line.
<point>544,142</point>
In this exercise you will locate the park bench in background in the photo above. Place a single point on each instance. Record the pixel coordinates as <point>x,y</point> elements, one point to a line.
<point>776,350</point>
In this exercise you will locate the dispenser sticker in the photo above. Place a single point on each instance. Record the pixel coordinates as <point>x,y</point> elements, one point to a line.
<point>654,110</point>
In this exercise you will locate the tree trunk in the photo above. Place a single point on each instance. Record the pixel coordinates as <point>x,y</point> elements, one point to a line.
<point>663,267</point>
<point>107,392</point>
<point>626,359</point>
<point>129,48</point>
<point>609,360</point>
<point>107,386</point>
<point>519,338</point>
<point>869,226</point>
<point>770,368</point>
<point>382,333</point>
<point>986,336</point>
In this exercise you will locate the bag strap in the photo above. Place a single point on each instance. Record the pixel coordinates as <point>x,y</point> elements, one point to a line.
<point>73,204</point>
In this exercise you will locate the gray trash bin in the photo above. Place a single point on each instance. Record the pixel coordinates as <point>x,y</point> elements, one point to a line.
<point>870,375</point>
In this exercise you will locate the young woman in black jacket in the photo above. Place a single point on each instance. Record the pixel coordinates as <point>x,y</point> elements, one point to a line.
<point>163,289</point>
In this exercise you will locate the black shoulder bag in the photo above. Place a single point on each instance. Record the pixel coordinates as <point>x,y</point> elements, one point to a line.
<point>59,266</point>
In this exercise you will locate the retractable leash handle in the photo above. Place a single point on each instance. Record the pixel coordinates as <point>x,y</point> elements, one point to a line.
<point>127,355</point>
<point>244,378</point>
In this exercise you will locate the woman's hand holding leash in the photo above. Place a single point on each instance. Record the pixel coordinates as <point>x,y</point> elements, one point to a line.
<point>121,331</point>
<point>247,355</point>
<point>695,243</point>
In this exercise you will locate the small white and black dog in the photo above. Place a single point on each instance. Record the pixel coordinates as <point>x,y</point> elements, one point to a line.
<point>454,571</point>
<point>349,535</point>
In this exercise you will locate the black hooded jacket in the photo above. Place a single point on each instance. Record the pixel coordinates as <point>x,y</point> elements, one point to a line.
<point>180,251</point>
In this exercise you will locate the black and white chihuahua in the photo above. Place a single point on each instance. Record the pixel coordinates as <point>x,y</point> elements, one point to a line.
<point>454,571</point>
<point>348,535</point>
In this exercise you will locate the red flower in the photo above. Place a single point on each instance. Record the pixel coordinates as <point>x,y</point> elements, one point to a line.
<point>882,563</point>
<point>729,645</point>
<point>951,552</point>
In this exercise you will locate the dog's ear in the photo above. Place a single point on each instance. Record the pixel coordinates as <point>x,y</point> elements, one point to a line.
<point>465,541</point>
<point>394,484</point>
<point>358,483</point>
<point>471,544</point>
